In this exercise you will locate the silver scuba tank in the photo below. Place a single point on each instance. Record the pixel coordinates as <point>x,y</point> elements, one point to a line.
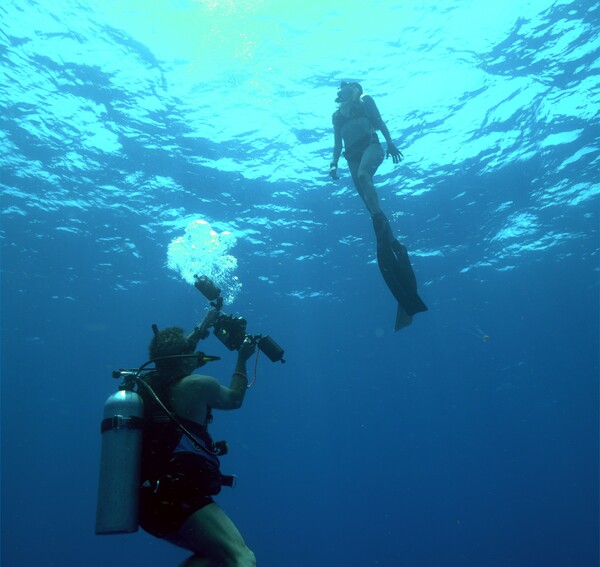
<point>120,461</point>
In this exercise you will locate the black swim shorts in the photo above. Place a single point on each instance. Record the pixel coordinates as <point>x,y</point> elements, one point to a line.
<point>167,504</point>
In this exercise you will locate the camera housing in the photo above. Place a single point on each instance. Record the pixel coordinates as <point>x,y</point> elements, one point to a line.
<point>231,330</point>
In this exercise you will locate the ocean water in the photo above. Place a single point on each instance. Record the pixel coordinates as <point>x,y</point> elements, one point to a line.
<point>142,141</point>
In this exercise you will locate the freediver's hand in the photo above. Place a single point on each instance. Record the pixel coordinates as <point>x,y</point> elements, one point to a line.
<point>247,349</point>
<point>333,171</point>
<point>396,154</point>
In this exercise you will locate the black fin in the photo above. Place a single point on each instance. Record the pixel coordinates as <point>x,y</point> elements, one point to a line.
<point>396,269</point>
<point>403,319</point>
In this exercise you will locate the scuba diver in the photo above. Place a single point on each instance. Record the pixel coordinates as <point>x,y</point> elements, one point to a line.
<point>355,125</point>
<point>179,477</point>
<point>159,466</point>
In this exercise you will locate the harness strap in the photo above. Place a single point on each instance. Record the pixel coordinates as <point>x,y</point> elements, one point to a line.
<point>122,422</point>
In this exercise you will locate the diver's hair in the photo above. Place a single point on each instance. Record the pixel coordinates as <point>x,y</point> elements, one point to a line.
<point>168,342</point>
<point>352,84</point>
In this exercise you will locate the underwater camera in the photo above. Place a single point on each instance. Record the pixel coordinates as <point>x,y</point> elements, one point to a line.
<point>231,330</point>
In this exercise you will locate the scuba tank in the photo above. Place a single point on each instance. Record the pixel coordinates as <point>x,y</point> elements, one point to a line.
<point>117,510</point>
<point>120,461</point>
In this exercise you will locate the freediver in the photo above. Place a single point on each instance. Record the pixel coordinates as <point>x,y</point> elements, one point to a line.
<point>355,125</point>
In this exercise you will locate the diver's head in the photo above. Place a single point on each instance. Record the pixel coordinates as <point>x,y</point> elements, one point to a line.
<point>169,342</point>
<point>348,92</point>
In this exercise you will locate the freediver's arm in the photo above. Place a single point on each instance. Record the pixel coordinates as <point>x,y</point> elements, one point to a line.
<point>392,150</point>
<point>337,150</point>
<point>378,122</point>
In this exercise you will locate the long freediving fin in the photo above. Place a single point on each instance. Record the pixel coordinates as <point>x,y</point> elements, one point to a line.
<point>403,319</point>
<point>397,272</point>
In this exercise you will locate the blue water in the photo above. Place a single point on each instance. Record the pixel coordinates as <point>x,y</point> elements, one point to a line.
<point>467,439</point>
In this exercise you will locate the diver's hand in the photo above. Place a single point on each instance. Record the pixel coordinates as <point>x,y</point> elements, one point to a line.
<point>201,329</point>
<point>247,349</point>
<point>396,154</point>
<point>333,171</point>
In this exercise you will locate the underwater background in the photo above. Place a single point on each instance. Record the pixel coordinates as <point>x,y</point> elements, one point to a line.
<point>142,141</point>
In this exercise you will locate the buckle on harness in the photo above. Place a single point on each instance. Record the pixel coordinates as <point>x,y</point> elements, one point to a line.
<point>228,480</point>
<point>220,448</point>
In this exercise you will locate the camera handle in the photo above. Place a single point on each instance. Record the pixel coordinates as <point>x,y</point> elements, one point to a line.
<point>201,330</point>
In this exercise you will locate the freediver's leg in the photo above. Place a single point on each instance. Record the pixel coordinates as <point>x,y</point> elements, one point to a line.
<point>392,257</point>
<point>362,175</point>
<point>353,167</point>
<point>383,231</point>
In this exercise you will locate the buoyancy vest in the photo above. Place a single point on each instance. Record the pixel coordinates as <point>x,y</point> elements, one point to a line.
<point>180,450</point>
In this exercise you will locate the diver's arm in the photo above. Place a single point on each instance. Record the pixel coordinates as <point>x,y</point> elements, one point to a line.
<point>199,391</point>
<point>201,330</point>
<point>233,396</point>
